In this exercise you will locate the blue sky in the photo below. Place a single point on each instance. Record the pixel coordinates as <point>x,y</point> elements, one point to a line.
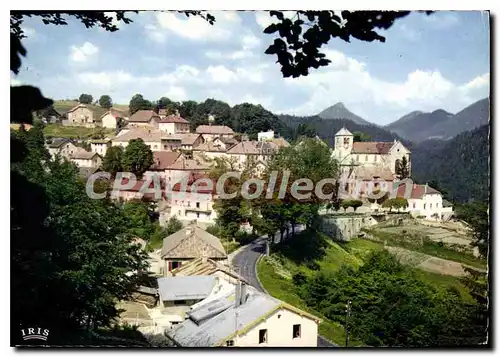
<point>426,63</point>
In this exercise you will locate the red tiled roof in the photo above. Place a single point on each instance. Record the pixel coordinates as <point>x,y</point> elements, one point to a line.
<point>417,191</point>
<point>163,159</point>
<point>214,129</point>
<point>117,113</point>
<point>138,185</point>
<point>201,187</point>
<point>372,147</point>
<point>142,116</point>
<point>173,119</point>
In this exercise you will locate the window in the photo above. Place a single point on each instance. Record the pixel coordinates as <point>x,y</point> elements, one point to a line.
<point>263,336</point>
<point>197,214</point>
<point>197,204</point>
<point>180,302</point>
<point>413,204</point>
<point>430,205</point>
<point>179,212</point>
<point>296,331</point>
<point>175,265</point>
<point>185,213</point>
<point>437,205</point>
<point>424,205</point>
<point>375,158</point>
<point>230,343</point>
<point>366,157</point>
<point>357,157</point>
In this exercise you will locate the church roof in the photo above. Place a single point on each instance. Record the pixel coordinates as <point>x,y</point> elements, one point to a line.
<point>344,132</point>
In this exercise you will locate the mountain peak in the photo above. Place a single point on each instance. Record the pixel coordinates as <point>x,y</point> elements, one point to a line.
<point>339,111</point>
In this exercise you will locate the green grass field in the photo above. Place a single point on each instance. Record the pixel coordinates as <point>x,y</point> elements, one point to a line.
<point>57,130</point>
<point>284,290</point>
<point>62,106</point>
<point>429,247</point>
<point>309,253</point>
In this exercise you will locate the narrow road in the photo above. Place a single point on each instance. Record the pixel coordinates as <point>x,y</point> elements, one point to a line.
<point>245,262</point>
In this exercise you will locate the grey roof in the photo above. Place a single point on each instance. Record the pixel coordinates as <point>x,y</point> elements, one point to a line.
<point>85,172</point>
<point>185,287</point>
<point>344,132</point>
<point>147,290</point>
<point>173,240</point>
<point>57,142</point>
<point>212,330</point>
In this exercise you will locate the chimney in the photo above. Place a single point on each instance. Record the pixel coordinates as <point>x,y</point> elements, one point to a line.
<point>237,295</point>
<point>243,293</point>
<point>425,190</point>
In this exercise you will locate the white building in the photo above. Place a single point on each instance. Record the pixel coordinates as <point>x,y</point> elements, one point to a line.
<point>190,203</point>
<point>111,118</point>
<point>246,318</point>
<point>368,154</point>
<point>265,135</point>
<point>425,201</point>
<point>173,124</point>
<point>100,146</point>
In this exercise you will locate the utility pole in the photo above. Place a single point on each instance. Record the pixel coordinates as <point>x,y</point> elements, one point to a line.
<point>347,315</point>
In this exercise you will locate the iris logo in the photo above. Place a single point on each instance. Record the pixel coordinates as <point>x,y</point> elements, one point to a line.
<point>35,333</point>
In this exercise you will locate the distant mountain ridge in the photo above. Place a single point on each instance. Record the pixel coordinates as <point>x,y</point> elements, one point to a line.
<point>418,126</point>
<point>339,111</point>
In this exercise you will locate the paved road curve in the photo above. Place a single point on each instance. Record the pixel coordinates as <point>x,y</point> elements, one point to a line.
<point>245,263</point>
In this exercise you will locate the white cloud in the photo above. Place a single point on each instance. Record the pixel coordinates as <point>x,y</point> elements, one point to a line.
<point>409,33</point>
<point>250,42</point>
<point>176,93</point>
<point>442,19</point>
<point>478,82</point>
<point>348,80</point>
<point>29,32</point>
<point>196,28</point>
<point>84,52</point>
<point>264,19</point>
<point>154,33</point>
<point>105,79</point>
<point>220,74</point>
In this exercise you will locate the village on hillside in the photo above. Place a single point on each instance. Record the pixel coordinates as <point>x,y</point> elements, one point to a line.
<point>198,297</point>
<point>235,200</point>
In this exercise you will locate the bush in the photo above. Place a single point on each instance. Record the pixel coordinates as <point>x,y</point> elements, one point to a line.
<point>351,203</point>
<point>299,279</point>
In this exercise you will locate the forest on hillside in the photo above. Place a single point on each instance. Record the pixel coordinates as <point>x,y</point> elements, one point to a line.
<point>460,166</point>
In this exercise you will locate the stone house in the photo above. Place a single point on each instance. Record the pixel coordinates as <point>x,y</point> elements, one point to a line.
<point>81,115</point>
<point>188,244</point>
<point>144,118</point>
<point>63,147</point>
<point>84,158</point>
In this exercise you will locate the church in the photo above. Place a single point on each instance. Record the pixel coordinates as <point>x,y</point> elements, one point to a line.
<point>367,166</point>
